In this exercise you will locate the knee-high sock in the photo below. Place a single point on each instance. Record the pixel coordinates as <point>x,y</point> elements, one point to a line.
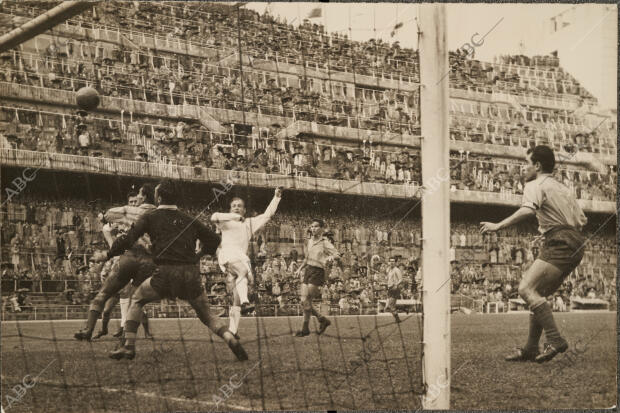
<point>130,330</point>
<point>307,314</point>
<point>96,308</point>
<point>105,321</point>
<point>124,302</point>
<point>235,316</point>
<point>315,313</point>
<point>134,315</point>
<point>307,305</point>
<point>544,316</point>
<point>534,335</point>
<point>242,289</point>
<point>93,316</point>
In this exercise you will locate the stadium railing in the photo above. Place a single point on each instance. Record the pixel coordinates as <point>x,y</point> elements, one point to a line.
<point>17,157</point>
<point>39,286</point>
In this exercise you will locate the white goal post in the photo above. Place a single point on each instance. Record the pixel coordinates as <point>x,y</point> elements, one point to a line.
<point>435,150</point>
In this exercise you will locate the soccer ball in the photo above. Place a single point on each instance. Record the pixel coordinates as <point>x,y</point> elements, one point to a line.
<point>87,98</point>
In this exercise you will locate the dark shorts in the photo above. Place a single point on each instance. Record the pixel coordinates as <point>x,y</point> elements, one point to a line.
<point>177,281</point>
<point>129,268</point>
<point>314,276</point>
<point>136,267</point>
<point>563,247</point>
<point>394,292</point>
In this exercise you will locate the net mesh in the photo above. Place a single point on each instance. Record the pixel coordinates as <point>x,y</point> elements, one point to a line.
<point>363,360</point>
<point>231,103</point>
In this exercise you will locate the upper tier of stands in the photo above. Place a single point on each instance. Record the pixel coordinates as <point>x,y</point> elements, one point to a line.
<point>134,73</point>
<point>218,27</point>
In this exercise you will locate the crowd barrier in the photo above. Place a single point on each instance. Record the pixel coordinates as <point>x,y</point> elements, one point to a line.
<point>56,161</point>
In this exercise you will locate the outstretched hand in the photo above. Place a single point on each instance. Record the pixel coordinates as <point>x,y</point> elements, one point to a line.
<point>279,191</point>
<point>488,227</point>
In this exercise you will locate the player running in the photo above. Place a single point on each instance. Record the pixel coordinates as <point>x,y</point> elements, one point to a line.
<point>318,251</point>
<point>560,220</point>
<point>173,235</point>
<point>136,264</point>
<point>394,280</point>
<point>232,255</point>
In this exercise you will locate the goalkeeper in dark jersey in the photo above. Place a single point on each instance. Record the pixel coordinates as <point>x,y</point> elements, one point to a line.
<point>173,235</point>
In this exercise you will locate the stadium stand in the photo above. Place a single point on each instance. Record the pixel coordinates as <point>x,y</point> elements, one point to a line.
<point>298,102</point>
<point>48,243</point>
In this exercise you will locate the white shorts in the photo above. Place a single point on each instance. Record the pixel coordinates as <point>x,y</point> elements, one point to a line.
<point>227,255</point>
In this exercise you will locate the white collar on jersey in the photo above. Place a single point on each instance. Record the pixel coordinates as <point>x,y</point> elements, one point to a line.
<point>173,207</point>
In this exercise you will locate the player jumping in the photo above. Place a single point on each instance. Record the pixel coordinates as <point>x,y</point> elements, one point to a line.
<point>319,250</point>
<point>560,220</point>
<point>232,254</point>
<point>136,265</point>
<point>173,235</point>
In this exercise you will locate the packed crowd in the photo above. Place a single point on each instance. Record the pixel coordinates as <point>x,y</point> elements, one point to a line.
<point>133,73</point>
<point>321,101</point>
<point>308,99</point>
<point>223,28</point>
<point>52,241</point>
<point>497,279</point>
<point>187,143</point>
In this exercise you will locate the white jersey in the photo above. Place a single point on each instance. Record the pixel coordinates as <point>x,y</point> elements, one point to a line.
<point>236,235</point>
<point>124,217</point>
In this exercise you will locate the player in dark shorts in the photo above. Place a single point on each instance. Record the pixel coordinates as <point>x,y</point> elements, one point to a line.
<point>135,266</point>
<point>318,251</point>
<point>560,220</point>
<point>173,236</point>
<point>394,281</point>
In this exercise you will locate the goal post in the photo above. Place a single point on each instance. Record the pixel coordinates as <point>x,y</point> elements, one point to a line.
<point>435,150</point>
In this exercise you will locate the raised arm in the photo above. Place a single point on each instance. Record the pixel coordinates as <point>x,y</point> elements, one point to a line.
<point>124,215</point>
<point>107,234</point>
<point>533,199</point>
<point>221,217</point>
<point>256,223</point>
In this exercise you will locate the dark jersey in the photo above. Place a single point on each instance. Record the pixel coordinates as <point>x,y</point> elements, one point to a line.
<point>173,236</point>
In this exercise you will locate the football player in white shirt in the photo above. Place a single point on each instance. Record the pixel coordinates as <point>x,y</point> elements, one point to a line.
<point>232,253</point>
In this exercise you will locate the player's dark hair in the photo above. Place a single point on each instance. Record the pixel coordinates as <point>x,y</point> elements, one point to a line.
<point>148,190</point>
<point>544,155</point>
<point>237,199</point>
<point>167,192</point>
<point>319,221</point>
<point>131,194</point>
